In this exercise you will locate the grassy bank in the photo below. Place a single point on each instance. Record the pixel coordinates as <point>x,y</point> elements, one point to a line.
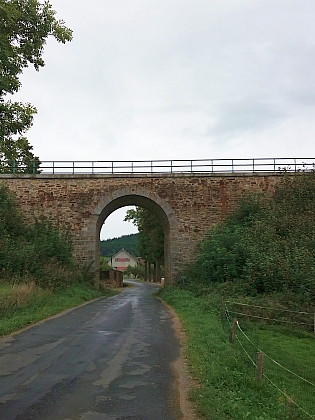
<point>226,377</point>
<point>26,304</point>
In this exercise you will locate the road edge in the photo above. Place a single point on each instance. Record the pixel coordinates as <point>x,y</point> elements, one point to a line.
<point>184,381</point>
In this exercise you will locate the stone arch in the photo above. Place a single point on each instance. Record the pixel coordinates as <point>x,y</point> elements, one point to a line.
<point>141,197</point>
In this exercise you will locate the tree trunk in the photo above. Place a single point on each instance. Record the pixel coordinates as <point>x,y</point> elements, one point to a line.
<point>146,270</point>
<point>150,272</point>
<point>158,272</point>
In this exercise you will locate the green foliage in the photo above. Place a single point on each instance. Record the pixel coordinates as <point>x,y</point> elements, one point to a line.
<point>266,245</point>
<point>137,271</point>
<point>25,304</point>
<point>15,152</point>
<point>38,251</point>
<point>128,242</point>
<point>225,379</point>
<point>11,222</point>
<point>25,26</point>
<point>104,266</point>
<point>151,234</point>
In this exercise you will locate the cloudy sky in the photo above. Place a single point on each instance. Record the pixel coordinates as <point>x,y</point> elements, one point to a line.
<point>176,79</point>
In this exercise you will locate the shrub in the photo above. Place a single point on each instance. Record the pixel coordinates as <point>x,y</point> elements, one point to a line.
<point>38,250</point>
<point>265,245</point>
<point>137,271</point>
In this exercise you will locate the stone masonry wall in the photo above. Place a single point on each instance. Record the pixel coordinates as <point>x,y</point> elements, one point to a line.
<point>189,205</point>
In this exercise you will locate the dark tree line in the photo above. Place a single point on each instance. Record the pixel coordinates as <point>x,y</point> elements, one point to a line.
<point>110,247</point>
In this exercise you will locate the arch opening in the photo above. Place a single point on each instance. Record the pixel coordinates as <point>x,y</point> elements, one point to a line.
<point>157,206</point>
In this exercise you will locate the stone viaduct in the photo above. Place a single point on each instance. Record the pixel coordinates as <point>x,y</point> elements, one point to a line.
<point>187,205</point>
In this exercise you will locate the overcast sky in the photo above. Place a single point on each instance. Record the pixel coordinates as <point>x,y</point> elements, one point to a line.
<point>176,79</point>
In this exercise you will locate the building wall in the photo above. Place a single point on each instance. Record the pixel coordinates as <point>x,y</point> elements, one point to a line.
<point>121,261</point>
<point>111,278</point>
<point>186,204</point>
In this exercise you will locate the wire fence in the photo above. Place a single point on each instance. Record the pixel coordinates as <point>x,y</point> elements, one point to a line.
<point>302,319</point>
<point>207,166</point>
<point>280,359</point>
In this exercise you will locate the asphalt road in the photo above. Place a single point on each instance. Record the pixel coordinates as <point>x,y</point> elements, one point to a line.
<point>110,359</point>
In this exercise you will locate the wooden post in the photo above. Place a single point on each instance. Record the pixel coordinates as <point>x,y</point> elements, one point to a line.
<point>260,366</point>
<point>233,331</point>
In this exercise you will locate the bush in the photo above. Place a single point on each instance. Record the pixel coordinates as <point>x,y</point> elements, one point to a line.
<point>137,271</point>
<point>40,251</point>
<point>265,245</point>
<point>104,266</point>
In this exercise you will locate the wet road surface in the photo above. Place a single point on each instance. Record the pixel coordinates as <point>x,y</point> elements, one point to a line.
<point>110,359</point>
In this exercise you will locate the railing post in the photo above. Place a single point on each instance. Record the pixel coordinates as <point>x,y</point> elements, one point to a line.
<point>53,167</point>
<point>171,166</point>
<point>232,166</point>
<point>34,167</point>
<point>73,167</point>
<point>151,167</point>
<point>260,366</point>
<point>253,165</point>
<point>274,165</point>
<point>191,166</point>
<point>294,165</point>
<point>92,166</point>
<point>212,165</point>
<point>112,167</point>
<point>132,167</point>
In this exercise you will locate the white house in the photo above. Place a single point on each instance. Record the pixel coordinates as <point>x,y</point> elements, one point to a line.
<point>121,260</point>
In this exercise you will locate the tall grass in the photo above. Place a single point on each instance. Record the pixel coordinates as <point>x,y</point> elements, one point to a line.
<point>22,305</point>
<point>226,385</point>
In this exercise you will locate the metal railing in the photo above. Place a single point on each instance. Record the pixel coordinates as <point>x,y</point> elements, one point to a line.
<point>207,166</point>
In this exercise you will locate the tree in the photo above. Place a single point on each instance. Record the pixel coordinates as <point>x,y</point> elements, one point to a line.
<point>110,247</point>
<point>151,237</point>
<point>25,26</point>
<point>137,271</point>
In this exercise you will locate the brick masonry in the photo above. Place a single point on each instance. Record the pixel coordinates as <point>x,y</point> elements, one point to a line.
<point>186,204</point>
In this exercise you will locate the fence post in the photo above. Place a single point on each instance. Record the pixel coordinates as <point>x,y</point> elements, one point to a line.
<point>233,330</point>
<point>260,366</point>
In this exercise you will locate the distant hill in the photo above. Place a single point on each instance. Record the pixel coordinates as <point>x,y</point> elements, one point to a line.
<point>112,246</point>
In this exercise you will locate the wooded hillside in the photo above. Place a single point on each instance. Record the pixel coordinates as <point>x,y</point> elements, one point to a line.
<point>112,246</point>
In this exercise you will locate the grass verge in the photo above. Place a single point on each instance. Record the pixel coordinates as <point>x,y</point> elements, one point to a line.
<point>24,305</point>
<point>227,384</point>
